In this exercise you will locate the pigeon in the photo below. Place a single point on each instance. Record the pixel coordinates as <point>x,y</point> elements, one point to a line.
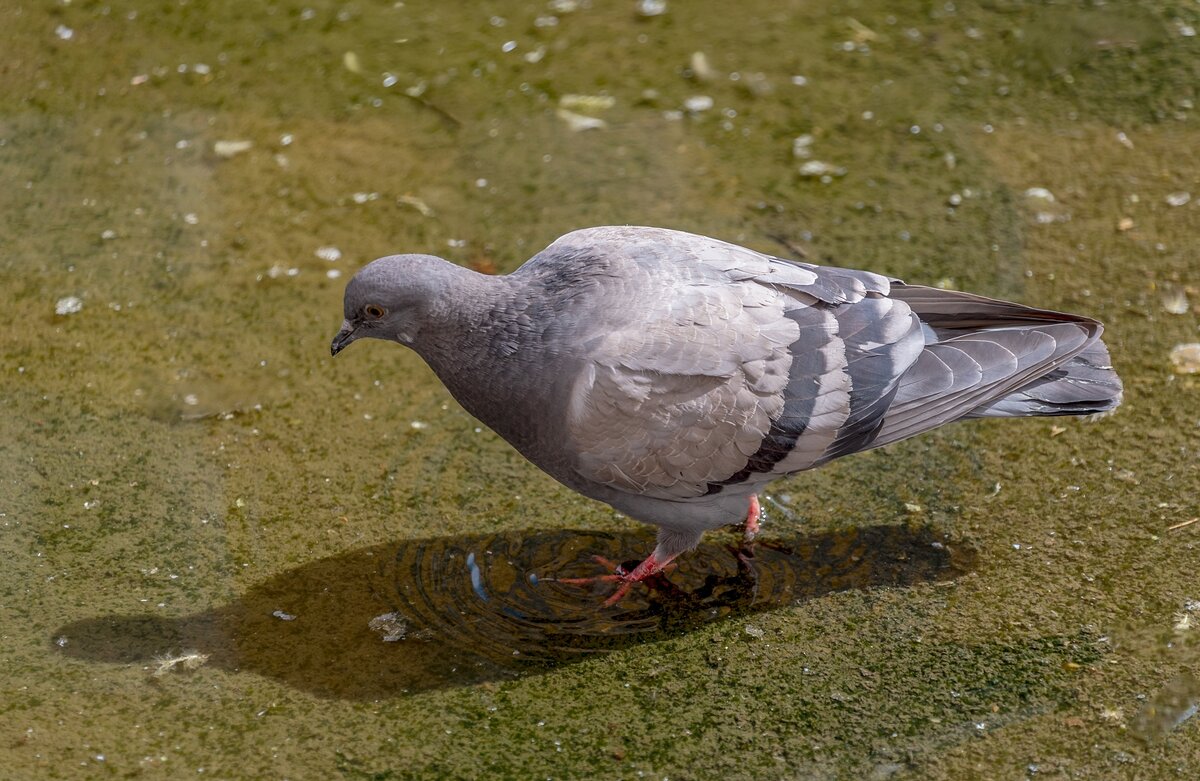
<point>673,376</point>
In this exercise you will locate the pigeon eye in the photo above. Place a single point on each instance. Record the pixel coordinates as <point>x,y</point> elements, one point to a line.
<point>373,311</point>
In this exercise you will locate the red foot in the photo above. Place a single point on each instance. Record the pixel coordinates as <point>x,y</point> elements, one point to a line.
<point>750,529</point>
<point>648,568</point>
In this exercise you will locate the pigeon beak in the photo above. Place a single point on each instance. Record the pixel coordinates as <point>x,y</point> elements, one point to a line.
<point>343,339</point>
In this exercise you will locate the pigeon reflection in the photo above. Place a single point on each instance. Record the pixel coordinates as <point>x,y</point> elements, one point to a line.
<point>449,611</point>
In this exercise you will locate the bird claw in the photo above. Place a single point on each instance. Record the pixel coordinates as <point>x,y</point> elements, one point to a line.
<point>650,568</point>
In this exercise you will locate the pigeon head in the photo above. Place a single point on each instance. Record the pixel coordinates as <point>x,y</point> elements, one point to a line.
<point>391,298</point>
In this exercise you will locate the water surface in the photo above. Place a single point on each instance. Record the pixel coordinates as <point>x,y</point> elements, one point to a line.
<point>227,554</point>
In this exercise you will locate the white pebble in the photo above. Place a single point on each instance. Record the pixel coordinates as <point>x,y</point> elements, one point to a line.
<point>331,254</point>
<point>68,305</point>
<point>1179,199</point>
<point>228,149</point>
<point>579,122</point>
<point>698,103</point>
<point>652,7</point>
<point>1185,358</point>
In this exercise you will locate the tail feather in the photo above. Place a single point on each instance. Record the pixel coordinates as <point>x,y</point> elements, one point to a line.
<point>1084,385</point>
<point>989,358</point>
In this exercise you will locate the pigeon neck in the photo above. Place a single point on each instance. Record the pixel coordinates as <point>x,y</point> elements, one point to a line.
<point>459,309</point>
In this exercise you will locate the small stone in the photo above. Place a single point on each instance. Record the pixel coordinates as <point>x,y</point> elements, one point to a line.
<point>68,305</point>
<point>651,7</point>
<point>228,149</point>
<point>1185,358</point>
<point>64,32</point>
<point>392,626</point>
<point>753,631</point>
<point>1125,223</point>
<point>698,103</point>
<point>1179,198</point>
<point>578,122</point>
<point>818,168</point>
<point>282,616</point>
<point>589,103</point>
<point>351,63</point>
<point>701,70</point>
<point>1040,194</point>
<point>331,254</point>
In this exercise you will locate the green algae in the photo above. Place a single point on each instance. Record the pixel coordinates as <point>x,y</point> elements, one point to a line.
<point>185,446</point>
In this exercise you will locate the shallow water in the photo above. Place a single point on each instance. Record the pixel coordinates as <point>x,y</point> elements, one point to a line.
<point>227,554</point>
<point>424,614</point>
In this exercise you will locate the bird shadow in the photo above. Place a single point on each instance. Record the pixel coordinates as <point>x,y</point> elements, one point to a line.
<point>414,615</point>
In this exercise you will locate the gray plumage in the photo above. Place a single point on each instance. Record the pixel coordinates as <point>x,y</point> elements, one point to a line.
<point>673,375</point>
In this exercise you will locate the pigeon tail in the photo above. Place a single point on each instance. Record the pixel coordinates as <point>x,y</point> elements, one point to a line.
<point>1085,385</point>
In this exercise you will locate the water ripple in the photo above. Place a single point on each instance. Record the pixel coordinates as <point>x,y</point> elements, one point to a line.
<point>420,614</point>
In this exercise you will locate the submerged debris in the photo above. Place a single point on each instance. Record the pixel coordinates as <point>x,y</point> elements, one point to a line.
<point>416,203</point>
<point>579,122</point>
<point>588,103</point>
<point>1182,525</point>
<point>820,169</point>
<point>393,626</point>
<point>699,67</point>
<point>651,7</point>
<point>1169,708</point>
<point>228,149</point>
<point>188,660</point>
<point>1040,194</point>
<point>1175,302</point>
<point>1185,358</point>
<point>68,305</point>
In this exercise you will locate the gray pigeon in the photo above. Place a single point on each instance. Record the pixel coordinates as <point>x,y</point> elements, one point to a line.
<point>673,375</point>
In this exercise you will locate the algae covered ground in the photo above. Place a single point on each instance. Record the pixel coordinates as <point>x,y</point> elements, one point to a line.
<point>225,554</point>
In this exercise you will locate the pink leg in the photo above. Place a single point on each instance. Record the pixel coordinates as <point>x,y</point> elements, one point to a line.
<point>651,566</point>
<point>751,526</point>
